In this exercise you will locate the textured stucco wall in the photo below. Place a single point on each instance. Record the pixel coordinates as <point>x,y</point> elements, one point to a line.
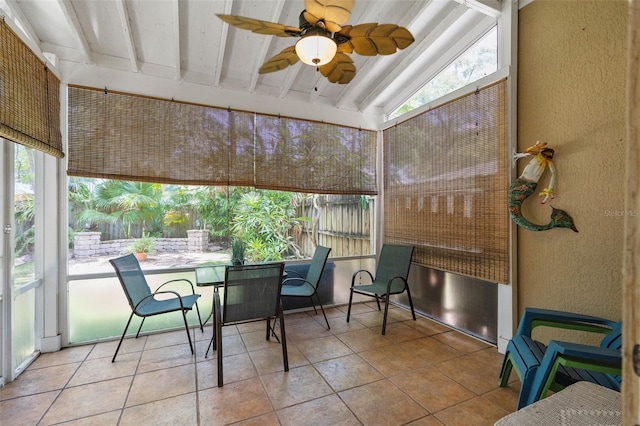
<point>571,93</point>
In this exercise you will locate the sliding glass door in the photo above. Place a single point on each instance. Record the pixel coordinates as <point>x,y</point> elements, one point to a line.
<point>18,258</point>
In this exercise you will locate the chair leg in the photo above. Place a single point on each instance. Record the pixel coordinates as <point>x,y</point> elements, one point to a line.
<point>350,299</point>
<point>186,327</point>
<point>410,302</point>
<point>378,301</point>
<point>269,328</point>
<point>199,318</point>
<point>322,309</point>
<point>505,371</point>
<point>212,343</point>
<point>218,333</point>
<point>313,304</point>
<point>386,310</point>
<point>283,341</point>
<point>140,328</point>
<point>122,338</point>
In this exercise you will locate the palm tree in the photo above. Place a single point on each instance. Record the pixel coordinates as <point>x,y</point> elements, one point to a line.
<point>126,203</point>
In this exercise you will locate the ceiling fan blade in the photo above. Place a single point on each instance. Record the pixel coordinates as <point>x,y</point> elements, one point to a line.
<point>340,70</point>
<point>260,27</point>
<point>334,13</point>
<point>282,60</point>
<point>373,39</point>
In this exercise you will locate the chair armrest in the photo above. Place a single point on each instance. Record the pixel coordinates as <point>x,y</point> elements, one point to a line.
<point>155,293</point>
<point>392,279</point>
<point>576,355</point>
<point>535,317</point>
<point>176,280</point>
<point>300,280</point>
<point>291,271</point>
<point>356,273</point>
<point>595,355</point>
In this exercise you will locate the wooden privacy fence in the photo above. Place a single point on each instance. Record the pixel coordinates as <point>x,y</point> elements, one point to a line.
<point>338,221</point>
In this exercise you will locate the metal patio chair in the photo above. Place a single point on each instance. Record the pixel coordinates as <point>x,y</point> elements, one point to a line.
<point>144,303</point>
<point>391,278</point>
<point>299,286</point>
<point>250,293</point>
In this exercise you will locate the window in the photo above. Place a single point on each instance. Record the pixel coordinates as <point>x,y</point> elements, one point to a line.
<point>191,226</point>
<point>445,186</point>
<point>476,62</point>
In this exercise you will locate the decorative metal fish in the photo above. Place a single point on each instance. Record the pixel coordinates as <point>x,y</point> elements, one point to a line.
<point>525,185</point>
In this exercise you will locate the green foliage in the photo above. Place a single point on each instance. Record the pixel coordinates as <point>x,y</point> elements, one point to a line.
<point>238,249</point>
<point>126,204</point>
<point>264,220</point>
<point>142,245</point>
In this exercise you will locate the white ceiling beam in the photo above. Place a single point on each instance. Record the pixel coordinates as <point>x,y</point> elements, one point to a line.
<point>264,46</point>
<point>19,23</point>
<point>217,73</point>
<point>126,27</point>
<point>491,8</point>
<point>421,46</point>
<point>74,23</point>
<point>176,39</point>
<point>18,16</point>
<point>370,14</point>
<point>420,12</point>
<point>292,74</point>
<point>436,65</point>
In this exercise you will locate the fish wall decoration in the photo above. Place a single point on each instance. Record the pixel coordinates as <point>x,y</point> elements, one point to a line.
<point>525,185</point>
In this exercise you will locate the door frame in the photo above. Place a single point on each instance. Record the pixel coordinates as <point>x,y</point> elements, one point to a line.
<point>631,261</point>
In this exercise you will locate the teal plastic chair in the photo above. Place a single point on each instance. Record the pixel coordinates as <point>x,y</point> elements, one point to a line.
<point>391,278</point>
<point>299,286</point>
<point>542,368</point>
<point>251,293</point>
<point>143,302</point>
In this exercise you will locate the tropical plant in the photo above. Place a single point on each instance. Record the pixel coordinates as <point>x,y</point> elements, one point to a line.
<point>126,204</point>
<point>238,249</point>
<point>24,214</point>
<point>265,219</point>
<point>142,245</point>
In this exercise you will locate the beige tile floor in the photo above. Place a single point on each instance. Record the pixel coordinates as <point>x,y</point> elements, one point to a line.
<point>420,373</point>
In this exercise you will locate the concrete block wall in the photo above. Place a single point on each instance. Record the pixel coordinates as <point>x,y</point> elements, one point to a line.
<point>87,244</point>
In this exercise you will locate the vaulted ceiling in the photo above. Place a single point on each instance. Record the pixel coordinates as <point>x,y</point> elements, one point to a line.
<point>180,49</point>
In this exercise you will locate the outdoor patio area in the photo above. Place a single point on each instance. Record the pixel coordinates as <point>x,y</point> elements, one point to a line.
<point>155,260</point>
<point>420,373</point>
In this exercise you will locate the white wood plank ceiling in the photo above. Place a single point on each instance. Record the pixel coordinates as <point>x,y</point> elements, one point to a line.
<point>179,49</point>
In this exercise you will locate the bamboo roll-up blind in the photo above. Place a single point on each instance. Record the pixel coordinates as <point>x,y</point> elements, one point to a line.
<point>29,97</point>
<point>122,136</point>
<point>308,156</point>
<point>445,185</point>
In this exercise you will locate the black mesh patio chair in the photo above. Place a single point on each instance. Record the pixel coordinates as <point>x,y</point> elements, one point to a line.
<point>144,303</point>
<point>391,278</point>
<point>251,293</point>
<point>299,286</point>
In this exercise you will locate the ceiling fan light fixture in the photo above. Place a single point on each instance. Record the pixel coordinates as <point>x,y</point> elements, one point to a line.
<point>316,49</point>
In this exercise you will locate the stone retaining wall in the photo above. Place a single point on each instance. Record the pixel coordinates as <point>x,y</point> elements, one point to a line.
<point>87,244</point>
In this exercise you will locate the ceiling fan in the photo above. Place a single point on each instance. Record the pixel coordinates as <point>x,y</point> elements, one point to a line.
<point>325,40</point>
